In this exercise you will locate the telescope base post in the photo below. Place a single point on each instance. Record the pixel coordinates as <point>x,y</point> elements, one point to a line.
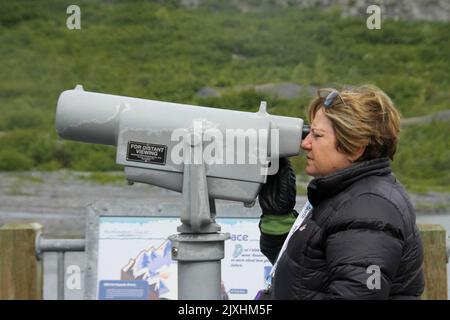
<point>199,265</point>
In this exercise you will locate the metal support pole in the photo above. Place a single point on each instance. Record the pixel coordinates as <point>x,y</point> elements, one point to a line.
<point>199,246</point>
<point>60,246</point>
<point>61,275</point>
<point>199,267</point>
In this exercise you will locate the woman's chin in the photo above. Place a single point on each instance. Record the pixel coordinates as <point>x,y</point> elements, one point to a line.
<point>310,171</point>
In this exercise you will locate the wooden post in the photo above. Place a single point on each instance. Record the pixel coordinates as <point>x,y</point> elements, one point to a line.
<point>435,261</point>
<point>21,273</point>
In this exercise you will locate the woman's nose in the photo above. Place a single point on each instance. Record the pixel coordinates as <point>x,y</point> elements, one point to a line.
<point>306,143</point>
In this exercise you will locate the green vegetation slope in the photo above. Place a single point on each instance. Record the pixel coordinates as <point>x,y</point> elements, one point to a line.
<point>165,52</point>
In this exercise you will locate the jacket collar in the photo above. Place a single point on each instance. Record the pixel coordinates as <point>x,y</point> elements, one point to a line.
<point>325,187</point>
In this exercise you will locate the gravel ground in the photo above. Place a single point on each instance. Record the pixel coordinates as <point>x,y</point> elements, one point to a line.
<point>58,200</point>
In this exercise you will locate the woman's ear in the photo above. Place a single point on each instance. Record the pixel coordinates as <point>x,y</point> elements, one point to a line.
<point>357,155</point>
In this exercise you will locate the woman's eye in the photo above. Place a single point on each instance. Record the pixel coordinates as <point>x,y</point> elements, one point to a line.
<point>315,135</point>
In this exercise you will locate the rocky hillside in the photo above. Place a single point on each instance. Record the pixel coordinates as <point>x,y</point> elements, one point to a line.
<point>411,10</point>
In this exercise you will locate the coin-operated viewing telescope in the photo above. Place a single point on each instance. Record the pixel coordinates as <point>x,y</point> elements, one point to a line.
<point>205,153</point>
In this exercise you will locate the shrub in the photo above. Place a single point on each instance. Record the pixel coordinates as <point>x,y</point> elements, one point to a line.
<point>13,160</point>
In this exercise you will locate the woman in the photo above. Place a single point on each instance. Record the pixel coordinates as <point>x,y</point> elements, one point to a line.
<point>357,236</point>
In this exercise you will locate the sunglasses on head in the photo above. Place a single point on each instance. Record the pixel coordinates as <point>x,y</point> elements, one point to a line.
<point>329,96</point>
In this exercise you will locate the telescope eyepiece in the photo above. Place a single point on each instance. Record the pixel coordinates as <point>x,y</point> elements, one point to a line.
<point>305,131</point>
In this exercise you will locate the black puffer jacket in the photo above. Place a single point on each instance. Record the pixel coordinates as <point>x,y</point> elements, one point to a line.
<point>362,217</point>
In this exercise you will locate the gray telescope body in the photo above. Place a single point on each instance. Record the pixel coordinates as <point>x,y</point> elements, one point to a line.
<point>143,131</point>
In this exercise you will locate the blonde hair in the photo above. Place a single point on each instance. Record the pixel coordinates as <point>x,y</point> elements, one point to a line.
<point>363,117</point>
